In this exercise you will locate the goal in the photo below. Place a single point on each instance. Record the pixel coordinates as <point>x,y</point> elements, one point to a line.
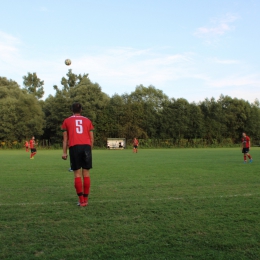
<point>116,143</point>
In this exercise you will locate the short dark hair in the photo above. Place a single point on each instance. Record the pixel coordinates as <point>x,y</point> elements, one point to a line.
<point>76,107</point>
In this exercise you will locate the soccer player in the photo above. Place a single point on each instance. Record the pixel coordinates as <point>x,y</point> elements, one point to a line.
<point>246,147</point>
<point>26,146</point>
<point>79,131</point>
<point>135,145</point>
<point>32,147</point>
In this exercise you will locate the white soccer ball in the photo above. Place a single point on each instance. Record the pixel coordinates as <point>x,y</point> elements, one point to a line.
<point>67,62</point>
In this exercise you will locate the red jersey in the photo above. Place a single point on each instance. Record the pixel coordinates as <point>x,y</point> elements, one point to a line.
<point>136,142</point>
<point>245,142</point>
<point>32,142</point>
<point>26,144</point>
<point>78,128</point>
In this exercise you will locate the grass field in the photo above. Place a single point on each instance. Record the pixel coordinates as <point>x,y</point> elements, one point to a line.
<point>157,204</point>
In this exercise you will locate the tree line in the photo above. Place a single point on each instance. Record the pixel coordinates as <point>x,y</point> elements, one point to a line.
<point>146,113</point>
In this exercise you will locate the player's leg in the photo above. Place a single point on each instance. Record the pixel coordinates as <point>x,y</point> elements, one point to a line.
<point>34,152</point>
<point>75,165</point>
<point>249,157</point>
<point>86,184</point>
<point>86,166</point>
<point>31,155</point>
<point>244,154</point>
<point>78,186</point>
<point>245,160</point>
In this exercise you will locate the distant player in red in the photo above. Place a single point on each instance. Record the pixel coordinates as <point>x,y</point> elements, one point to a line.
<point>32,147</point>
<point>135,145</point>
<point>79,131</point>
<point>246,147</point>
<point>26,146</point>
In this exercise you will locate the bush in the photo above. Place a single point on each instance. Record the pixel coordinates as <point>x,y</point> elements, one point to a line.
<point>56,146</point>
<point>143,143</point>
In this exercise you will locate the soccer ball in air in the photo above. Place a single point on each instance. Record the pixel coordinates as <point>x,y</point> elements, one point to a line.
<point>67,62</point>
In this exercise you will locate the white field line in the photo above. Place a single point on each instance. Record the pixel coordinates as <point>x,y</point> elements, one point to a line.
<point>116,201</point>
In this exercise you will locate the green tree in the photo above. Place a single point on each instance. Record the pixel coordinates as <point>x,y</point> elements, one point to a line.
<point>115,115</point>
<point>21,114</point>
<point>94,102</point>
<point>195,122</point>
<point>253,122</point>
<point>175,118</point>
<point>147,106</point>
<point>213,119</point>
<point>33,85</point>
<point>72,79</point>
<point>57,107</point>
<point>133,119</point>
<point>235,113</point>
<point>91,97</point>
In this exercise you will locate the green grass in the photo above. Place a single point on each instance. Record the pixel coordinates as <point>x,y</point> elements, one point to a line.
<point>157,204</point>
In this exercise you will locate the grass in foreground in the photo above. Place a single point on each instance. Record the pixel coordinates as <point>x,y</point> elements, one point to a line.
<point>157,204</point>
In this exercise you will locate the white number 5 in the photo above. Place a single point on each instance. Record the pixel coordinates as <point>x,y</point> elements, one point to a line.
<point>79,127</point>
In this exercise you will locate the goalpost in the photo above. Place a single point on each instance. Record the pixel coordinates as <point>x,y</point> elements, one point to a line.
<point>116,143</point>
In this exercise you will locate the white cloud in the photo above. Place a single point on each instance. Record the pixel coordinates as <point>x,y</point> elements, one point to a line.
<point>8,38</point>
<point>219,30</point>
<point>219,27</point>
<point>8,46</point>
<point>119,70</point>
<point>228,62</point>
<point>251,81</point>
<point>126,67</point>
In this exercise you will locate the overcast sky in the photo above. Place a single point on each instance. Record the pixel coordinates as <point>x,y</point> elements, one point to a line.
<point>187,48</point>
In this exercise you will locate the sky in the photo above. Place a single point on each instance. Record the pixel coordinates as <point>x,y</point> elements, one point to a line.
<point>188,49</point>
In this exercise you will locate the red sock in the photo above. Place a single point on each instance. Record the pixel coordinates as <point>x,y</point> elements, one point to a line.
<point>244,157</point>
<point>78,187</point>
<point>33,154</point>
<point>249,156</point>
<point>86,186</point>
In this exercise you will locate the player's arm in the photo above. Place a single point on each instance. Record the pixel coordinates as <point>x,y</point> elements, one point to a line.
<point>92,138</point>
<point>65,145</point>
